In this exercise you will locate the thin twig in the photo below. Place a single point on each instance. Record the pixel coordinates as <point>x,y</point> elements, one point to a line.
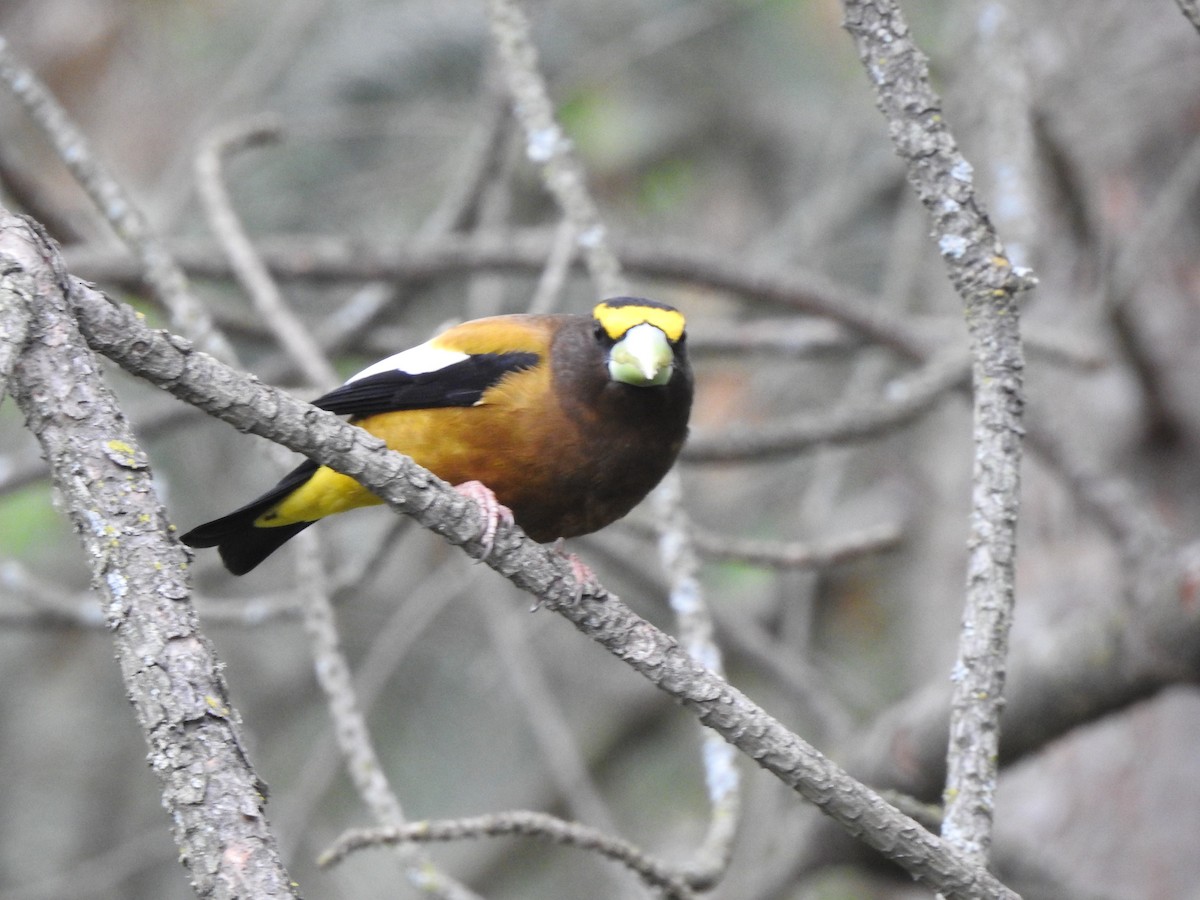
<point>107,872</point>
<point>1143,541</point>
<point>517,822</point>
<point>487,291</point>
<point>907,398</point>
<point>28,196</point>
<point>162,273</point>
<point>799,554</point>
<point>275,49</point>
<point>810,690</point>
<point>44,605</point>
<point>1001,73</point>
<point>801,338</point>
<point>547,146</point>
<point>526,681</point>
<point>1173,201</point>
<point>404,629</point>
<point>548,293</point>
<point>350,725</point>
<point>711,859</point>
<point>255,278</point>
<point>480,164</point>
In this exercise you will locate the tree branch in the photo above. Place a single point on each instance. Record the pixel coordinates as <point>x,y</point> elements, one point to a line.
<point>653,872</point>
<point>907,399</point>
<point>988,284</point>
<point>304,352</point>
<point>18,293</point>
<point>323,258</point>
<point>214,799</point>
<point>547,145</point>
<point>163,274</point>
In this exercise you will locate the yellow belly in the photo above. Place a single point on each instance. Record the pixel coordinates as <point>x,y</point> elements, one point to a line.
<point>326,493</point>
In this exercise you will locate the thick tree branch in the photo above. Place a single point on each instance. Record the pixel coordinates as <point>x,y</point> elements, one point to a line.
<point>214,799</point>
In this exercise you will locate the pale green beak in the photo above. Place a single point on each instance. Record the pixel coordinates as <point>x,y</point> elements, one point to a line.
<point>642,358</point>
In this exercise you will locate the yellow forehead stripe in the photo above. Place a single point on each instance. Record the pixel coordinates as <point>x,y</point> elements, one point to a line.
<point>619,318</point>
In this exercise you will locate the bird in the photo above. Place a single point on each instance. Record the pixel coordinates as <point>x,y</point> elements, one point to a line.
<point>560,422</point>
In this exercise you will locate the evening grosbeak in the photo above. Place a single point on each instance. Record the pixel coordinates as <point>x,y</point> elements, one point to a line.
<point>564,422</point>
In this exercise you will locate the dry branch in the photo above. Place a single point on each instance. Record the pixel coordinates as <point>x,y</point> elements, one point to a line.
<point>653,872</point>
<point>214,799</point>
<point>163,274</point>
<point>989,285</point>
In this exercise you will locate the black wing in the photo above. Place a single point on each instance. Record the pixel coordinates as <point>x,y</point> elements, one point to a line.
<point>459,384</point>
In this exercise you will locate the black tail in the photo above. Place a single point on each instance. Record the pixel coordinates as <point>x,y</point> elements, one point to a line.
<point>242,545</point>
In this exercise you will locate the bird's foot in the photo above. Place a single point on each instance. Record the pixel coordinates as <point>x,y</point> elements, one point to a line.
<point>494,512</point>
<point>585,578</point>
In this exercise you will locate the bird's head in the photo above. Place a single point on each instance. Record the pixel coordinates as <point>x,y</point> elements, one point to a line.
<point>642,337</point>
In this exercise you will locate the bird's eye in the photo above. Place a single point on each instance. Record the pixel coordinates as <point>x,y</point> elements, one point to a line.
<point>599,331</point>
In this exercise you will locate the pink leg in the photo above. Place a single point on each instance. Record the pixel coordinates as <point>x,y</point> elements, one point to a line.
<point>494,512</point>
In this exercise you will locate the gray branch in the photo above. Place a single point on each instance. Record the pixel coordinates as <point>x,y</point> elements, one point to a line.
<point>214,800</point>
<point>563,176</point>
<point>989,285</point>
<point>304,352</point>
<point>17,292</point>
<point>907,399</point>
<point>547,145</point>
<point>654,873</point>
<point>162,273</point>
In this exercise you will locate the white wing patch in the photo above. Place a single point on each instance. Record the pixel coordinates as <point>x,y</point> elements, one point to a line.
<point>414,361</point>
